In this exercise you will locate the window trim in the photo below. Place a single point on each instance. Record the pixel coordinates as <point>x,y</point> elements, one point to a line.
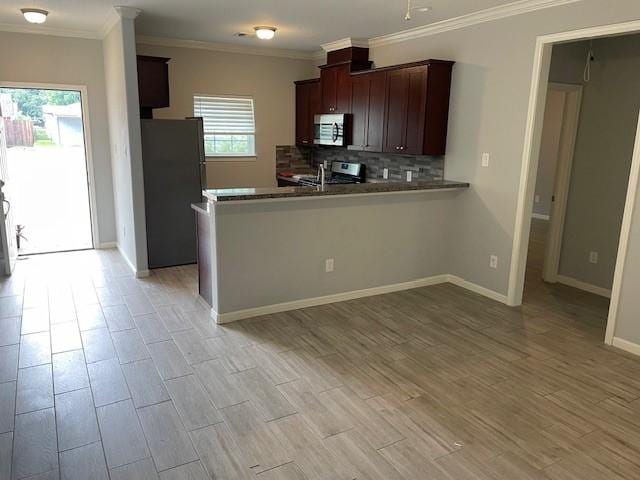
<point>227,157</point>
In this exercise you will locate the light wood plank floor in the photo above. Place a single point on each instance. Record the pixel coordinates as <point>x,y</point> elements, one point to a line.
<point>105,376</point>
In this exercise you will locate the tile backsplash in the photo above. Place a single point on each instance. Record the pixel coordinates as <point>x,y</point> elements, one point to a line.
<point>290,158</point>
<point>293,158</point>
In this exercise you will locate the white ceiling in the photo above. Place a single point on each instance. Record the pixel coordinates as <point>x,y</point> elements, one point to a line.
<point>302,24</point>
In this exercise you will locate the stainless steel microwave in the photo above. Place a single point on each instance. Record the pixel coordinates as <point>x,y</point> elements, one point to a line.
<point>330,129</point>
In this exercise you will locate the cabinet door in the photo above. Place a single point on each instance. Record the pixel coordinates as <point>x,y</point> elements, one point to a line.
<point>329,87</point>
<point>153,81</point>
<point>343,89</point>
<point>397,106</point>
<point>360,86</point>
<point>375,116</point>
<point>416,79</point>
<point>315,106</point>
<point>302,114</point>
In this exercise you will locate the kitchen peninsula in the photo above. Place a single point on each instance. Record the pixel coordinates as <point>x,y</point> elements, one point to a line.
<point>267,250</point>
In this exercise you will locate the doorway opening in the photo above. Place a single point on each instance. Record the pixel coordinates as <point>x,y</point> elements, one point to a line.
<point>580,175</point>
<point>47,181</point>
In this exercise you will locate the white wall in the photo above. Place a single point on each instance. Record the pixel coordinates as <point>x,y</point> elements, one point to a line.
<point>68,61</point>
<point>126,150</point>
<point>489,99</point>
<point>268,79</point>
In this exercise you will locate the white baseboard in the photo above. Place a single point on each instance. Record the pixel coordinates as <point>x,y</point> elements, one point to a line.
<point>142,273</point>
<point>587,287</point>
<point>336,297</point>
<point>105,245</point>
<point>474,287</point>
<point>540,216</point>
<point>367,292</point>
<point>626,345</point>
<point>136,272</point>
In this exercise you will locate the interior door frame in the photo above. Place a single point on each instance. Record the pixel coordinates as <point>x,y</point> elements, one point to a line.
<point>562,177</point>
<point>88,150</point>
<point>531,152</point>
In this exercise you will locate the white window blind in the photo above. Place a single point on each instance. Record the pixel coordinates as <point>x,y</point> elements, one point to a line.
<point>229,125</point>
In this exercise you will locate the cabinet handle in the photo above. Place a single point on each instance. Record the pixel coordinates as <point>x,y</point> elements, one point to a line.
<point>305,141</point>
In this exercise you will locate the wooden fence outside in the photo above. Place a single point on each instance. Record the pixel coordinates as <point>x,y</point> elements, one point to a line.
<point>19,133</point>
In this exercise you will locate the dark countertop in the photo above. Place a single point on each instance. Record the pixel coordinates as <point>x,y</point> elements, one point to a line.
<point>238,194</point>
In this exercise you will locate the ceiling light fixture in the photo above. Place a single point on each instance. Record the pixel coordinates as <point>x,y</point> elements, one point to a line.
<point>407,16</point>
<point>34,15</point>
<point>265,33</point>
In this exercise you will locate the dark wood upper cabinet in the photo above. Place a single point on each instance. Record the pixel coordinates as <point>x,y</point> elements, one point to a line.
<point>153,83</point>
<point>367,109</point>
<point>417,106</point>
<point>307,105</point>
<point>400,109</point>
<point>335,84</point>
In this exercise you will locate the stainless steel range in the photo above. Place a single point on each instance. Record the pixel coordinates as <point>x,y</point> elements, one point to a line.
<point>341,173</point>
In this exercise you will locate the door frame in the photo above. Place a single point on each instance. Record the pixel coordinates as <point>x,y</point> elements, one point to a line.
<point>562,178</point>
<point>88,150</point>
<point>531,151</point>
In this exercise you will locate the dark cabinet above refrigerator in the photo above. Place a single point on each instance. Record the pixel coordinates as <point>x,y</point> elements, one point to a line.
<point>153,84</point>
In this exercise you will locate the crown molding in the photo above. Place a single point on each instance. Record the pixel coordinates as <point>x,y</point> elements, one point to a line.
<point>112,18</point>
<point>482,16</point>
<point>42,30</point>
<point>225,47</point>
<point>127,12</point>
<point>345,43</point>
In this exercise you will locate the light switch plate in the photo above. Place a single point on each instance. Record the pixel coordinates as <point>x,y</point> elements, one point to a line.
<point>409,175</point>
<point>493,261</point>
<point>385,173</point>
<point>485,159</point>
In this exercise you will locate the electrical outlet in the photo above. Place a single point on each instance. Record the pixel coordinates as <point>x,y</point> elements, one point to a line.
<point>409,175</point>
<point>493,261</point>
<point>326,164</point>
<point>485,159</point>
<point>385,173</point>
<point>328,265</point>
<point>537,200</point>
<point>593,257</point>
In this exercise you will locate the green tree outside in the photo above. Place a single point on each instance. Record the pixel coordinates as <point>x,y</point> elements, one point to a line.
<point>30,101</point>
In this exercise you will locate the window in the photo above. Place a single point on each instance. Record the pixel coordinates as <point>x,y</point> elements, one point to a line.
<point>229,125</point>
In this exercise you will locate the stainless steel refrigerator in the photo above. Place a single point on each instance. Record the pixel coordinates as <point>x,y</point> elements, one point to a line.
<point>174,177</point>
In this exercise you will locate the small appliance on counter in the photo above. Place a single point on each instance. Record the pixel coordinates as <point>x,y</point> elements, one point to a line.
<point>331,129</point>
<point>341,173</point>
